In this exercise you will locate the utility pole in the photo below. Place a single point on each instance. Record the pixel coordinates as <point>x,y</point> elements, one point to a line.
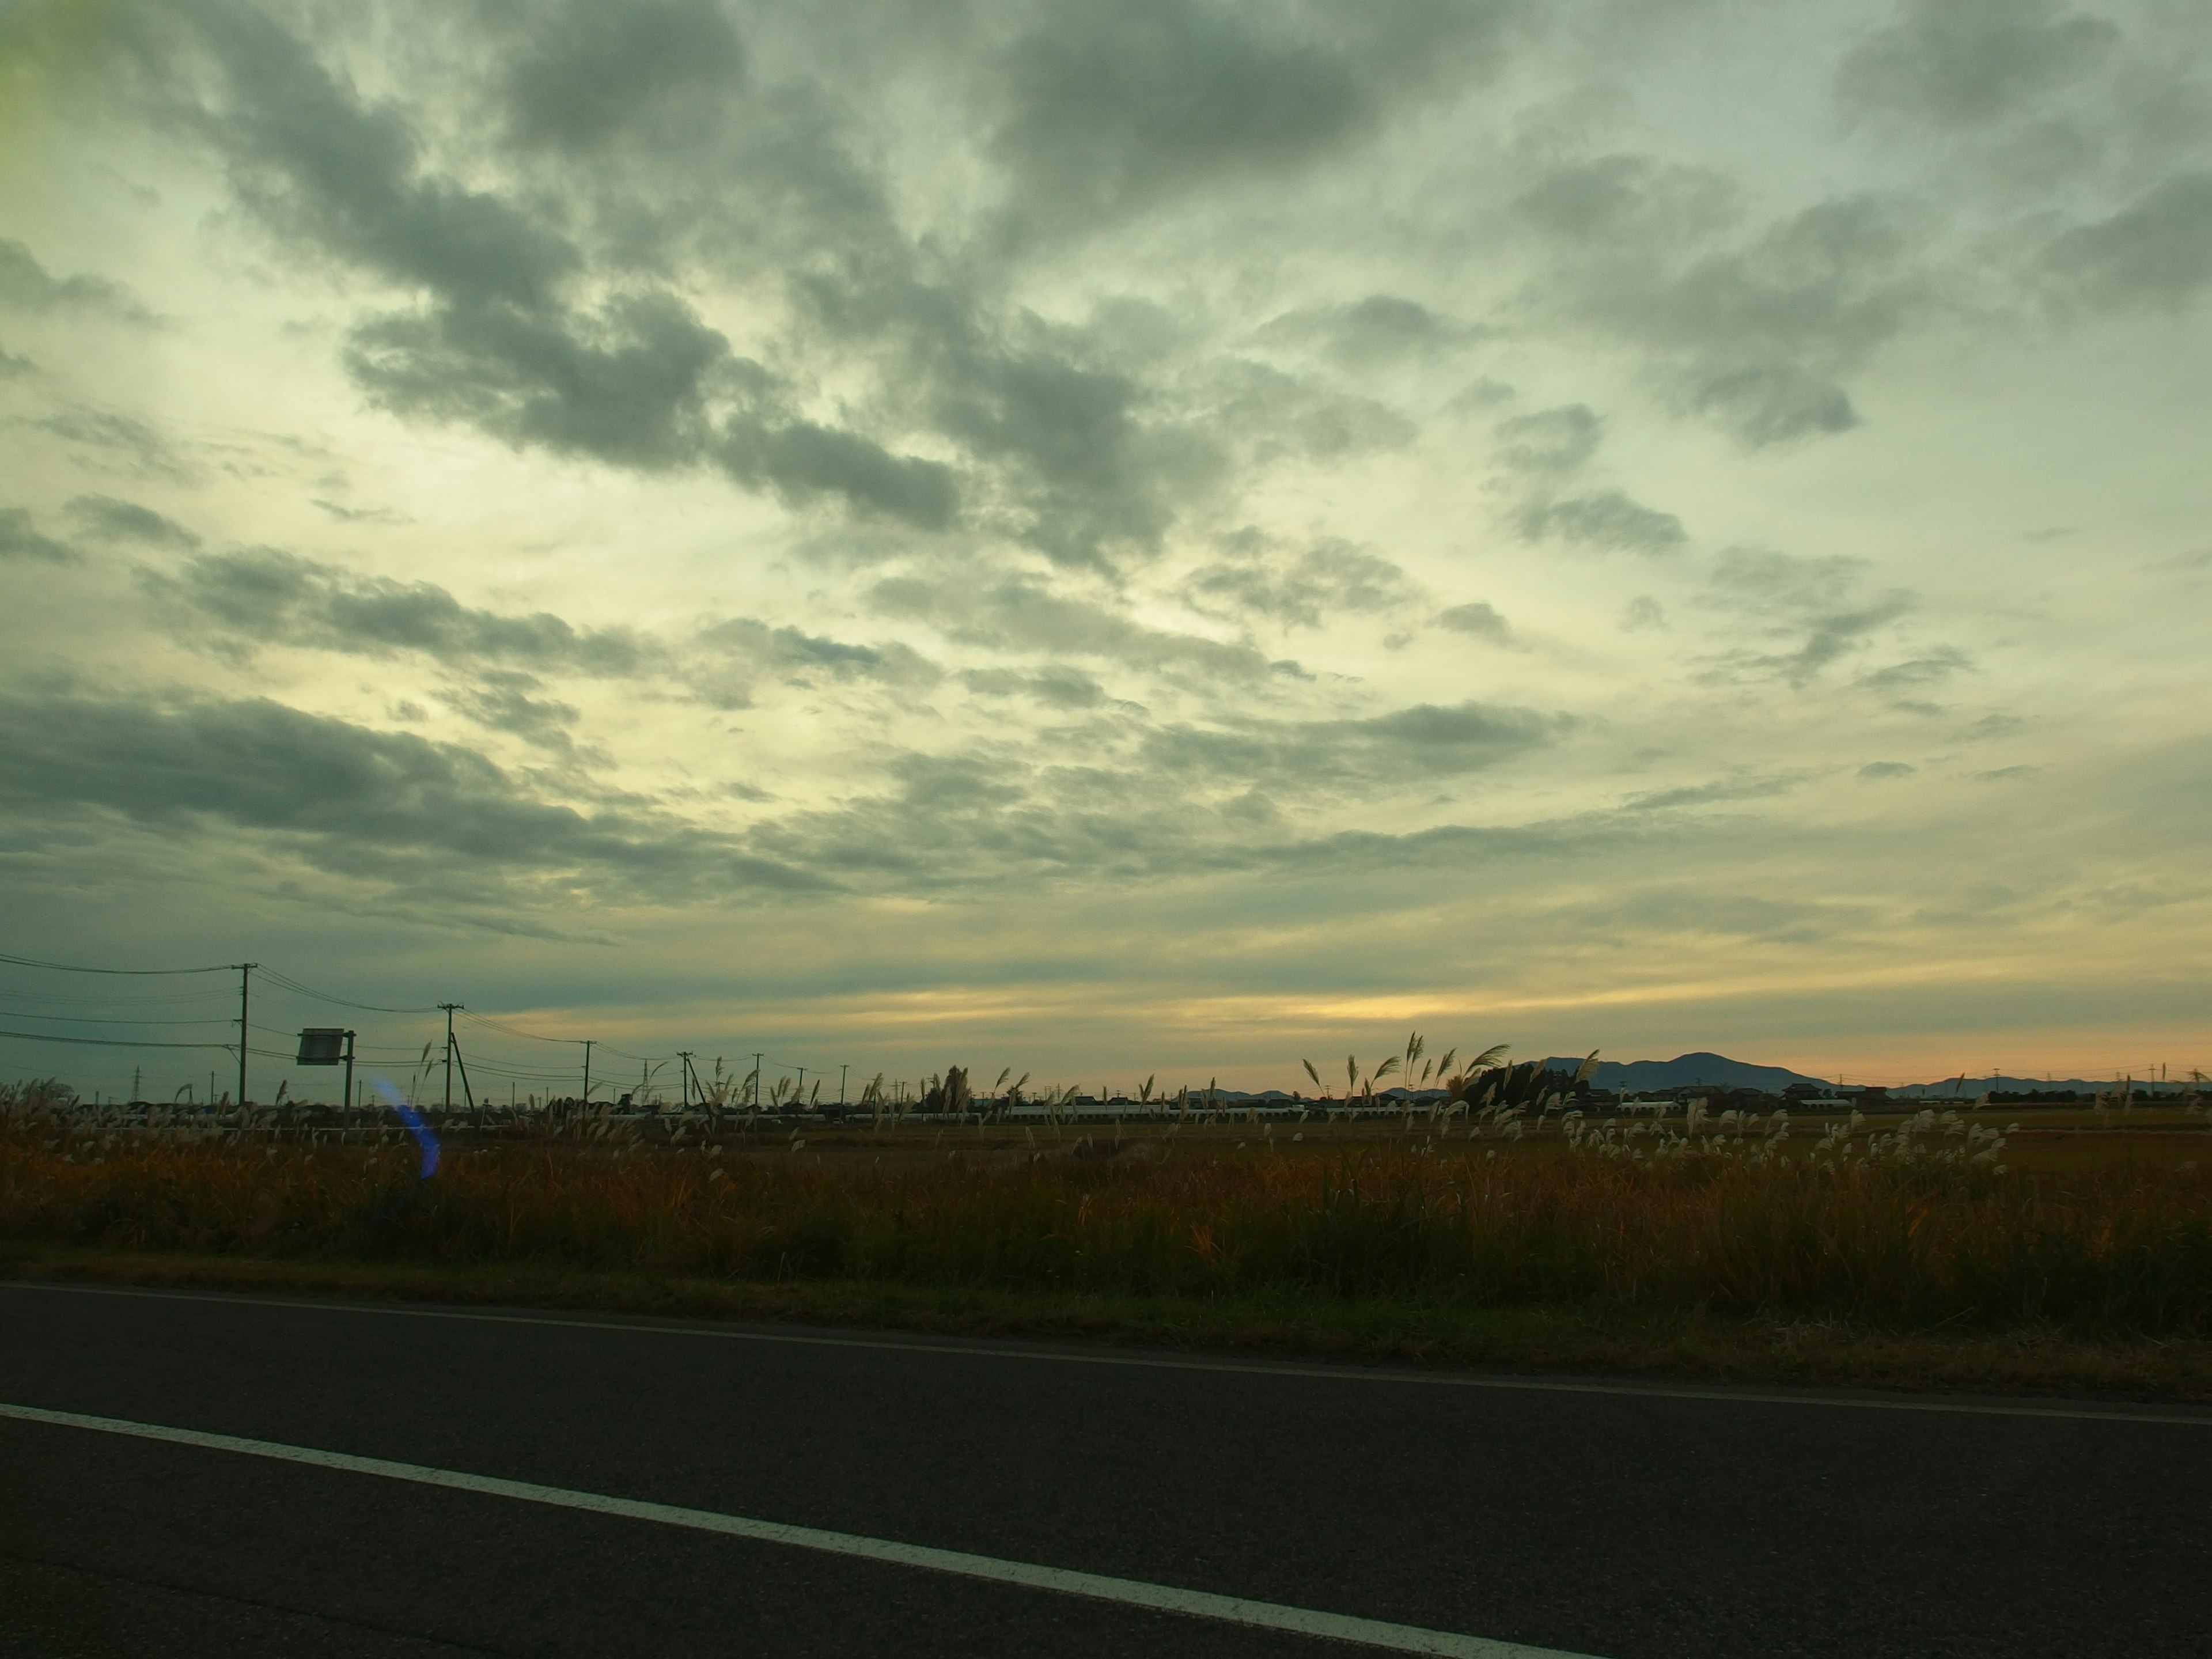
<point>756,1072</point>
<point>587,1041</point>
<point>245,983</point>
<point>685,1054</point>
<point>841,1070</point>
<point>449,1007</point>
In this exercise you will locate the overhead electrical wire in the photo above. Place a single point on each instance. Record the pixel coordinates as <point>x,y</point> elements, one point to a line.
<point>511,1031</point>
<point>291,984</point>
<point>277,982</point>
<point>95,1019</point>
<point>72,968</point>
<point>213,994</point>
<point>121,1042</point>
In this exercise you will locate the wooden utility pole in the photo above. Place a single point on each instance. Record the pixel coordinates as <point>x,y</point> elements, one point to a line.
<point>245,1032</point>
<point>449,1007</point>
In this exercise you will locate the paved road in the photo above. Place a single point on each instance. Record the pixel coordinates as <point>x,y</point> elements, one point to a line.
<point>1633,1523</point>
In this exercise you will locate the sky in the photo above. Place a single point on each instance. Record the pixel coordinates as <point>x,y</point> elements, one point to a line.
<point>1112,539</point>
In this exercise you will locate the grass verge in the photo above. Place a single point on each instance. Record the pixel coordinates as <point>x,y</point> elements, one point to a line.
<point>1660,1342</point>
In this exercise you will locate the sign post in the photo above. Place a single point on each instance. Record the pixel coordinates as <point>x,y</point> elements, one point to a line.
<point>328,1045</point>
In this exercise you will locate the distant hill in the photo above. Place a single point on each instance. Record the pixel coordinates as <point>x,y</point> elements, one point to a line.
<point>1718,1070</point>
<point>1691,1070</point>
<point>1969,1087</point>
<point>1688,1071</point>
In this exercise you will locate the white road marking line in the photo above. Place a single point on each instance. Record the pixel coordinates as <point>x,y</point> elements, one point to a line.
<point>1153,1362</point>
<point>1129,1592</point>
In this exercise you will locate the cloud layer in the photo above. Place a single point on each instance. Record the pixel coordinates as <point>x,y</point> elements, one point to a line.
<point>1301,511</point>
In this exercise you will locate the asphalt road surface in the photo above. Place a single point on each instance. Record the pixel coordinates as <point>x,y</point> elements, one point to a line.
<point>1615,1520</point>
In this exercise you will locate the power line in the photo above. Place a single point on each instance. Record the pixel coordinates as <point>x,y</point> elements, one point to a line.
<point>292,984</point>
<point>120,1043</point>
<point>97,998</point>
<point>480,1019</point>
<point>95,1019</point>
<point>71,968</point>
<point>280,983</point>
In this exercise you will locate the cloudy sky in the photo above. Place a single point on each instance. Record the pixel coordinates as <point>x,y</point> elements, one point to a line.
<point>1118,538</point>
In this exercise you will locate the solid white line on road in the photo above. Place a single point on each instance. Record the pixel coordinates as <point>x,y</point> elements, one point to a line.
<point>1129,1592</point>
<point>977,1350</point>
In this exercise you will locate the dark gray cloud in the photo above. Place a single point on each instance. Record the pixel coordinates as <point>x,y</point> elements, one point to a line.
<point>1938,664</point>
<point>1260,579</point>
<point>268,597</point>
<point>1607,521</point>
<point>1055,686</point>
<point>555,311</point>
<point>1819,596</point>
<point>1877,771</point>
<point>20,539</point>
<point>1403,750</point>
<point>2154,253</point>
<point>1716,793</point>
<point>115,520</point>
<point>1271,416</point>
<point>500,339</point>
<point>118,437</point>
<point>331,172</point>
<point>1761,579</point>
<point>1478,618</point>
<point>1017,614</point>
<point>588,71</point>
<point>1964,63</point>
<point>1381,330</point>
<point>1108,110</point>
<point>950,822</point>
<point>730,660</point>
<point>1477,396</point>
<point>500,701</point>
<point>802,462</point>
<point>14,363</point>
<point>1074,453</point>
<point>1082,469</point>
<point>1679,910</point>
<point>1773,402</point>
<point>1762,332</point>
<point>346,514</point>
<point>629,384</point>
<point>1754,334</point>
<point>991,820</point>
<point>382,806</point>
<point>1552,442</point>
<point>1610,200</point>
<point>28,285</point>
<point>995,818</point>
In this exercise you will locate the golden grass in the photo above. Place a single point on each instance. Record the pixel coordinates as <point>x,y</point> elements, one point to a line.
<point>1882,1233</point>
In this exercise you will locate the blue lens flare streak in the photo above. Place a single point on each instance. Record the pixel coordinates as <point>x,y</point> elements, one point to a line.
<point>416,1126</point>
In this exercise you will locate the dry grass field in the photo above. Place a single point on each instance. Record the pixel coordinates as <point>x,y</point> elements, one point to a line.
<point>2074,1249</point>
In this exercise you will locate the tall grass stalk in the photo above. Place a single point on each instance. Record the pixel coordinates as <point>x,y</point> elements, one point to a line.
<point>1891,1244</point>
